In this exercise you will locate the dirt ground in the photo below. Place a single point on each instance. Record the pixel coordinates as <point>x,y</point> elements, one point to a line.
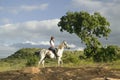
<point>61,73</point>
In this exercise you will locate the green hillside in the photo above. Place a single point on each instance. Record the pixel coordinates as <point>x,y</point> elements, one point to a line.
<point>26,57</point>
<point>17,60</point>
<point>23,53</point>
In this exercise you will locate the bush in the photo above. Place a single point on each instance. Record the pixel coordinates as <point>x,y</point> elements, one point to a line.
<point>32,61</point>
<point>108,54</point>
<point>71,58</point>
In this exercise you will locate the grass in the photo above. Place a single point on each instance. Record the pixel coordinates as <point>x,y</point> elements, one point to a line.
<point>86,63</point>
<point>70,59</point>
<point>12,65</point>
<point>115,64</point>
<point>6,66</point>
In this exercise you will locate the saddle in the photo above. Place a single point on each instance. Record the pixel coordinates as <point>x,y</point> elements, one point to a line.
<point>54,51</point>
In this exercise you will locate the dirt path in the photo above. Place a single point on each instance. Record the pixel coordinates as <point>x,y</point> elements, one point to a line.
<point>61,73</point>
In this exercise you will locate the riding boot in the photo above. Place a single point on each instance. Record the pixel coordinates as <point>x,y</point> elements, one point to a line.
<point>55,52</point>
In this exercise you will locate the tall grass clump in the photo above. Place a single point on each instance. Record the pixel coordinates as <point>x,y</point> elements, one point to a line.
<point>71,57</point>
<point>32,61</point>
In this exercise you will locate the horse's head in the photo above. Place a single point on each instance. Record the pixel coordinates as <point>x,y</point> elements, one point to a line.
<point>66,45</point>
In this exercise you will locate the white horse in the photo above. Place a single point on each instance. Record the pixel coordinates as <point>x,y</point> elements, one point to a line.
<point>45,52</point>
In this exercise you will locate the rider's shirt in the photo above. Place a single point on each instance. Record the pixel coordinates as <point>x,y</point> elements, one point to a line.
<point>52,43</point>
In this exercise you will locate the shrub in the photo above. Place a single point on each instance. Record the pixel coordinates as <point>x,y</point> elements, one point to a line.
<point>71,58</point>
<point>32,61</point>
<point>105,54</point>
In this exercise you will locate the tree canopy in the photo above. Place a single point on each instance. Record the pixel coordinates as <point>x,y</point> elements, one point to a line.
<point>88,27</point>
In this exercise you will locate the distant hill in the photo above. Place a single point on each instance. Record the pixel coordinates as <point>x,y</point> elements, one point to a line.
<point>23,53</point>
<point>27,53</point>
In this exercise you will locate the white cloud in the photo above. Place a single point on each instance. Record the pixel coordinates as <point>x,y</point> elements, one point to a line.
<point>30,29</point>
<point>25,8</point>
<point>6,50</point>
<point>97,5</point>
<point>87,4</point>
<point>44,43</point>
<point>33,31</point>
<point>5,20</point>
<point>72,46</point>
<point>37,43</point>
<point>33,7</point>
<point>43,6</point>
<point>80,49</point>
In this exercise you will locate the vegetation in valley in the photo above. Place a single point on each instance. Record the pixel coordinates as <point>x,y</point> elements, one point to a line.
<point>27,57</point>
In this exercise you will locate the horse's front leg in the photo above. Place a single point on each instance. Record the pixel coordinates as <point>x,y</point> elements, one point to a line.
<point>60,61</point>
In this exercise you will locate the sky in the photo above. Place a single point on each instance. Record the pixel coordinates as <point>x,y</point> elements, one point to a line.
<point>31,23</point>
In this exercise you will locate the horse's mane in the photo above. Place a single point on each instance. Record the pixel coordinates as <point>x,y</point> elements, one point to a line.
<point>60,46</point>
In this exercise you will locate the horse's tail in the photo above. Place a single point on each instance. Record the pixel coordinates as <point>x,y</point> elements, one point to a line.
<point>37,53</point>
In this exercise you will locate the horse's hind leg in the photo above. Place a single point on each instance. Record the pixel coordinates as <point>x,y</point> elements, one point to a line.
<point>41,61</point>
<point>61,62</point>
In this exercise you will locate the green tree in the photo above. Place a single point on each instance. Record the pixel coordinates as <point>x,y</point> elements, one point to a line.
<point>88,27</point>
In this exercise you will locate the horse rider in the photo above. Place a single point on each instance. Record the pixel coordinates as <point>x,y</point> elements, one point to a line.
<point>52,46</point>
